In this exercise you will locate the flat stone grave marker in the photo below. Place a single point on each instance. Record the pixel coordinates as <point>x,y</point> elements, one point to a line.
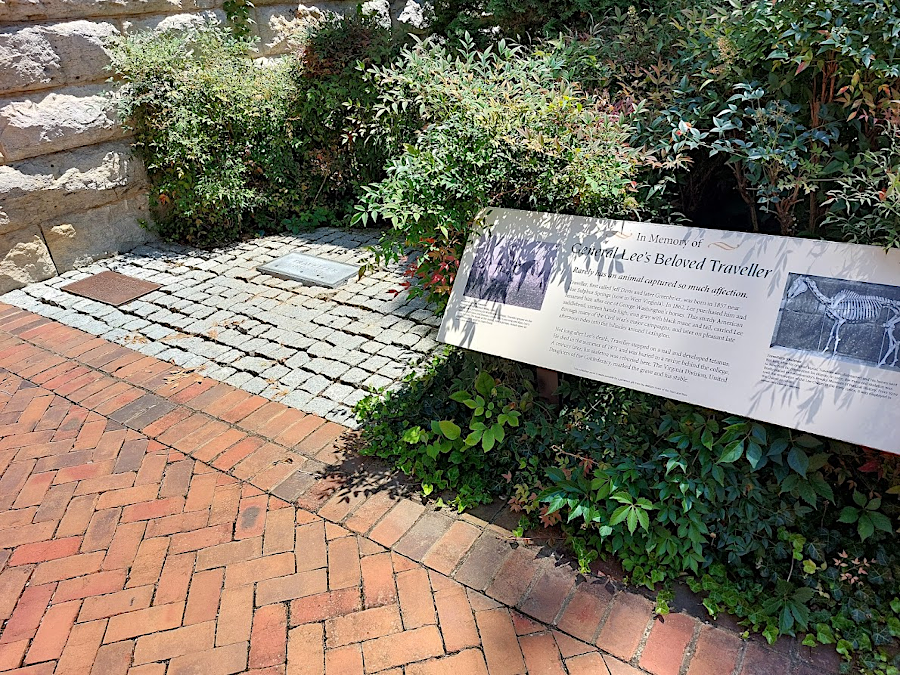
<point>111,288</point>
<point>310,270</point>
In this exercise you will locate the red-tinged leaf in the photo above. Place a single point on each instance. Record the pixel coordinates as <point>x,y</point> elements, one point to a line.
<point>800,68</point>
<point>872,466</point>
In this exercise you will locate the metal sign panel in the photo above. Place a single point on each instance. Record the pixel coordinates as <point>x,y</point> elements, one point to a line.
<point>797,332</point>
<point>111,288</point>
<point>310,270</point>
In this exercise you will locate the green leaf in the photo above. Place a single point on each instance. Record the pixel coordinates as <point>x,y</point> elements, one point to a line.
<point>754,454</point>
<point>759,433</point>
<point>806,492</point>
<point>412,435</point>
<point>807,441</point>
<point>474,438</point>
<point>818,460</point>
<point>449,429</point>
<point>777,447</point>
<point>785,620</point>
<point>822,488</point>
<point>555,474</point>
<point>643,519</point>
<point>881,521</point>
<point>632,520</point>
<point>824,634</point>
<point>803,594</point>
<point>798,461</point>
<point>865,527</point>
<point>732,452</point>
<point>484,383</point>
<point>487,441</point>
<point>848,515</point>
<point>619,515</point>
<point>460,396</point>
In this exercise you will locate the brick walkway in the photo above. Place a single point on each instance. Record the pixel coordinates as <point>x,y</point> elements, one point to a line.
<point>316,349</point>
<point>153,521</point>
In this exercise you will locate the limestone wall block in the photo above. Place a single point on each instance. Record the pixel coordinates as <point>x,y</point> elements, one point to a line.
<point>24,259</point>
<point>82,238</point>
<point>279,27</point>
<point>44,123</point>
<point>43,10</point>
<point>161,22</point>
<point>42,56</point>
<point>380,9</point>
<point>411,13</point>
<point>43,189</point>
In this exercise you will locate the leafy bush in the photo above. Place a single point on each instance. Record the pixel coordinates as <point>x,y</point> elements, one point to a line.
<point>788,92</point>
<point>460,442</point>
<point>864,206</point>
<point>333,107</point>
<point>212,129</point>
<point>500,127</point>
<point>231,146</point>
<point>791,533</point>
<point>488,19</point>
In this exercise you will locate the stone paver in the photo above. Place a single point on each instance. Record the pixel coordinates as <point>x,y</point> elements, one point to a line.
<point>316,349</point>
<point>155,521</point>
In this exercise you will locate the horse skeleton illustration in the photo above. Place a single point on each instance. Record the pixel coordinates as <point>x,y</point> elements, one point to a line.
<point>852,307</point>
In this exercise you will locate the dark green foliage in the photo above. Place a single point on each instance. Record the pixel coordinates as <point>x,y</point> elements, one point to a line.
<point>500,127</point>
<point>333,109</point>
<point>439,437</point>
<point>212,129</point>
<point>233,147</point>
<point>791,533</point>
<point>490,19</point>
<point>238,14</point>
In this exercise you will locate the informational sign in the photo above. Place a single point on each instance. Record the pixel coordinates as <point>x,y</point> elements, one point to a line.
<point>310,270</point>
<point>797,332</point>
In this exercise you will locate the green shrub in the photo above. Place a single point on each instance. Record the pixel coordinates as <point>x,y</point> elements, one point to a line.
<point>792,534</point>
<point>440,438</point>
<point>232,147</point>
<point>786,92</point>
<point>490,19</point>
<point>864,206</point>
<point>501,127</point>
<point>333,107</point>
<point>212,129</point>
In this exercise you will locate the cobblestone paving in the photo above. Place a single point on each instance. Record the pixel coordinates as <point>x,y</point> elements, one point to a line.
<point>316,349</point>
<point>154,521</point>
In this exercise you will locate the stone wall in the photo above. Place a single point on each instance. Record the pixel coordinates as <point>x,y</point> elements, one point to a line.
<point>70,190</point>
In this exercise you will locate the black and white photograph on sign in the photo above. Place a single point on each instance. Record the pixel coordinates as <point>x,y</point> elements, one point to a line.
<point>852,321</point>
<point>511,271</point>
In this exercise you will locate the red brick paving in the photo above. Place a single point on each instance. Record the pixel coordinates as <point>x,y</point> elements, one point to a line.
<point>151,523</point>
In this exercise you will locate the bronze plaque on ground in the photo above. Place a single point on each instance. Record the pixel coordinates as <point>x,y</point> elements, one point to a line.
<point>111,288</point>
